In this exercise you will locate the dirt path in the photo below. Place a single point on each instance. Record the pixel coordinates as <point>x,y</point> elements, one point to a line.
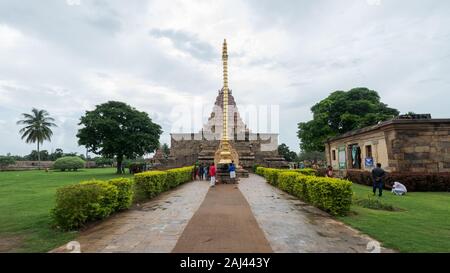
<point>223,223</point>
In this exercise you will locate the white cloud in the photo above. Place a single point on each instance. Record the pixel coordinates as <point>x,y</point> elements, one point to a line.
<point>164,55</point>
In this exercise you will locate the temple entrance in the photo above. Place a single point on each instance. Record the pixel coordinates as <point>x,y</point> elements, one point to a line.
<point>354,153</point>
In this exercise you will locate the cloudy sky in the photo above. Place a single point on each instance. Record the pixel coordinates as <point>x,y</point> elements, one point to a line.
<point>66,56</point>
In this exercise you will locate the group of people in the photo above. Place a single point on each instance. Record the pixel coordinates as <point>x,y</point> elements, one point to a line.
<point>201,172</point>
<point>205,172</point>
<point>378,177</point>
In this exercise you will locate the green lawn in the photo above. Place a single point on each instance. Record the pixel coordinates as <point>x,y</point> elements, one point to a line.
<point>26,198</point>
<point>423,224</point>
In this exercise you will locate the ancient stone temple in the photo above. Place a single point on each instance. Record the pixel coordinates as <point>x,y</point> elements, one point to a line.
<point>247,148</point>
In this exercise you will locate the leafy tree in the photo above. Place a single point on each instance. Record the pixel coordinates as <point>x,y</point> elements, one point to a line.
<point>42,155</point>
<point>115,129</point>
<point>6,160</point>
<point>102,161</point>
<point>37,128</point>
<point>284,151</point>
<point>58,153</point>
<point>165,150</point>
<point>311,156</point>
<point>341,112</point>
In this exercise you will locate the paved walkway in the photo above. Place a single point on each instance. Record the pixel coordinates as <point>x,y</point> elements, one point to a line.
<point>291,225</point>
<point>154,226</point>
<point>224,223</point>
<point>250,217</point>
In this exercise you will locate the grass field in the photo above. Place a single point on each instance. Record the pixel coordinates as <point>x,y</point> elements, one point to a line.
<point>422,224</point>
<point>26,198</point>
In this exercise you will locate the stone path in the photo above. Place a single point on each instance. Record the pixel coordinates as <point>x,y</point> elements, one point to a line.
<point>290,225</point>
<point>153,227</point>
<point>250,217</point>
<point>224,223</point>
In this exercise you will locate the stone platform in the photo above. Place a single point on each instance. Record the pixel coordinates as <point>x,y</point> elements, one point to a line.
<point>223,176</point>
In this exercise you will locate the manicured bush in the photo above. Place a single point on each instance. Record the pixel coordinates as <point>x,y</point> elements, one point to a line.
<point>69,163</point>
<point>330,194</point>
<point>96,199</point>
<point>152,183</point>
<point>126,192</point>
<point>287,181</point>
<point>84,202</point>
<point>272,174</point>
<point>254,167</point>
<point>306,171</point>
<point>413,181</point>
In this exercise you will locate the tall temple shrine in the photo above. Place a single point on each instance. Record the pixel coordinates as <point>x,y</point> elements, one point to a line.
<point>225,126</point>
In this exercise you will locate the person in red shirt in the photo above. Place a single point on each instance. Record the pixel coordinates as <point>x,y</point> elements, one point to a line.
<point>212,174</point>
<point>329,172</point>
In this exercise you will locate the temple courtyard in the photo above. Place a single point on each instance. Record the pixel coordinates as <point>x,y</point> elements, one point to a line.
<point>249,217</point>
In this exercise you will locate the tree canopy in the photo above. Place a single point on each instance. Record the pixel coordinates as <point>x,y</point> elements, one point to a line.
<point>284,151</point>
<point>341,112</point>
<point>36,128</point>
<point>115,129</point>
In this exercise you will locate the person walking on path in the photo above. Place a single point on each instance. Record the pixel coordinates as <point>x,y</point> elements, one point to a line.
<point>194,172</point>
<point>378,175</point>
<point>200,172</point>
<point>205,172</point>
<point>232,170</point>
<point>212,174</point>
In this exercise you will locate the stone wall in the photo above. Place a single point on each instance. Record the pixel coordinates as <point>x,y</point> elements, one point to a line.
<point>187,151</point>
<point>424,148</point>
<point>417,146</point>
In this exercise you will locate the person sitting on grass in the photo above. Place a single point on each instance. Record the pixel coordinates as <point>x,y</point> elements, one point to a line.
<point>399,189</point>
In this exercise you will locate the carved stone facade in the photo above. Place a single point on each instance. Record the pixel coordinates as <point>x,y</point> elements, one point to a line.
<point>252,148</point>
<point>414,146</point>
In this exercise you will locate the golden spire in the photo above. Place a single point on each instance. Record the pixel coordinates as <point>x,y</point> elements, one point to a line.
<point>225,153</point>
<point>225,90</point>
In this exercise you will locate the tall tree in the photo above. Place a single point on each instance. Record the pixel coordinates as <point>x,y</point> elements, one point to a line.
<point>37,128</point>
<point>285,152</point>
<point>165,150</point>
<point>341,112</point>
<point>115,129</point>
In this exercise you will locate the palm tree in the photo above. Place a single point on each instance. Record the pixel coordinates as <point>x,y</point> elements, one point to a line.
<point>37,128</point>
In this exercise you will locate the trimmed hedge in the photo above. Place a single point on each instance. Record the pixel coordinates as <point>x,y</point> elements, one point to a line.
<point>84,202</point>
<point>152,183</point>
<point>330,194</point>
<point>272,174</point>
<point>125,187</point>
<point>413,181</point>
<point>96,199</point>
<point>69,163</point>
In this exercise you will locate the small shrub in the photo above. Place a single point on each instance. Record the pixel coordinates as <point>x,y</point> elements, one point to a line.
<point>84,202</point>
<point>125,189</point>
<point>69,163</point>
<point>254,167</point>
<point>374,203</point>
<point>330,194</point>
<point>151,183</point>
<point>286,181</point>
